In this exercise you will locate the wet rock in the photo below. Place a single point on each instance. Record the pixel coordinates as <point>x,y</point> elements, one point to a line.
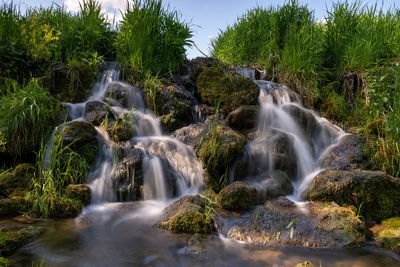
<point>96,111</point>
<point>271,185</point>
<point>204,112</point>
<point>347,155</point>
<point>231,91</point>
<point>190,135</point>
<point>128,173</point>
<point>305,264</point>
<point>220,147</point>
<point>13,206</point>
<point>196,245</point>
<point>282,94</point>
<point>376,194</point>
<point>173,103</point>
<point>119,92</point>
<point>238,196</point>
<point>187,215</point>
<point>199,64</point>
<point>304,119</point>
<point>79,192</point>
<point>83,139</point>
<point>18,181</point>
<point>387,234</point>
<point>324,225</point>
<point>120,130</point>
<point>12,240</point>
<point>63,207</point>
<point>243,118</point>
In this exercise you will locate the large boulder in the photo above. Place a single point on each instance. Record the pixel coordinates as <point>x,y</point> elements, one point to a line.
<point>124,95</point>
<point>243,118</point>
<point>348,154</point>
<point>375,194</point>
<point>187,215</point>
<point>237,196</point>
<point>281,223</point>
<point>18,181</point>
<point>219,148</point>
<point>303,117</point>
<point>232,91</point>
<point>82,136</point>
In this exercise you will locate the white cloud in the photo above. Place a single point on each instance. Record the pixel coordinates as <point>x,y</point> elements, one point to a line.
<point>111,7</point>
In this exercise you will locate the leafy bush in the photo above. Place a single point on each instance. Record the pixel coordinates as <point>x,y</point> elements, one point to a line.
<point>152,38</point>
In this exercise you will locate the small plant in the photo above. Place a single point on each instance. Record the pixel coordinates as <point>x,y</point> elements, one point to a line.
<point>151,87</point>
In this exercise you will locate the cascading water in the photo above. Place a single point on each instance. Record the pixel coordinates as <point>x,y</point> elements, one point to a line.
<point>281,142</point>
<point>158,150</point>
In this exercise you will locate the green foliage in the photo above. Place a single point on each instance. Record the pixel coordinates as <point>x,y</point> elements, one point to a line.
<point>58,166</point>
<point>152,38</point>
<point>27,116</point>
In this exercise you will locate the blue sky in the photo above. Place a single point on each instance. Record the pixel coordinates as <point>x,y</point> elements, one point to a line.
<point>207,17</point>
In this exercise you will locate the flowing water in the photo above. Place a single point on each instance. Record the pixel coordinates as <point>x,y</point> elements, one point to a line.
<point>111,233</point>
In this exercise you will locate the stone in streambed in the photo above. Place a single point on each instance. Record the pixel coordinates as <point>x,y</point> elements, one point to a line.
<point>387,234</point>
<point>79,192</point>
<point>324,225</point>
<point>376,194</point>
<point>237,196</point>
<point>243,118</point>
<point>190,135</point>
<point>13,206</point>
<point>187,215</point>
<point>18,181</point>
<point>12,240</point>
<point>96,111</point>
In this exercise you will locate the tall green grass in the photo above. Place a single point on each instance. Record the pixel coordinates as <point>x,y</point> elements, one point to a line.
<point>152,37</point>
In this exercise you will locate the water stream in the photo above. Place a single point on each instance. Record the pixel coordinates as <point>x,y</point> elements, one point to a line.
<point>111,233</point>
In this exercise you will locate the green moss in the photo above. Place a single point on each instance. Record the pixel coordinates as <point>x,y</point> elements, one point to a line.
<point>64,207</point>
<point>231,91</point>
<point>13,206</point>
<point>79,192</point>
<point>335,108</point>
<point>393,223</point>
<point>217,150</point>
<point>4,262</point>
<point>12,240</point>
<point>18,181</point>
<point>237,196</point>
<point>192,222</point>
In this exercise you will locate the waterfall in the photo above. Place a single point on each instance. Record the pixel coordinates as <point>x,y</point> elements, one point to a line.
<point>160,151</point>
<point>279,132</point>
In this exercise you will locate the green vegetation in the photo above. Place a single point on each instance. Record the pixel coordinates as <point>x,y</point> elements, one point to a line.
<point>152,38</point>
<point>346,65</point>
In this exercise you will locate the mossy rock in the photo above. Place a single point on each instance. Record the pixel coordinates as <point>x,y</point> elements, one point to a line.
<point>377,194</point>
<point>63,207</point>
<point>120,131</point>
<point>79,192</point>
<point>243,118</point>
<point>232,91</point>
<point>12,240</point>
<point>13,206</point>
<point>238,196</point>
<point>82,136</point>
<point>387,234</point>
<point>187,215</point>
<point>219,148</point>
<point>18,181</point>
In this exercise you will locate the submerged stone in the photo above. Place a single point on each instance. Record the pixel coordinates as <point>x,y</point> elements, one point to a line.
<point>187,215</point>
<point>375,194</point>
<point>12,240</point>
<point>281,223</point>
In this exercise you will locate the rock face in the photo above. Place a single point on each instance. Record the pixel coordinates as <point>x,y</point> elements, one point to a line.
<point>96,111</point>
<point>187,215</point>
<point>220,147</point>
<point>237,196</point>
<point>79,192</point>
<point>231,91</point>
<point>243,118</point>
<point>83,137</point>
<point>18,181</point>
<point>347,155</point>
<point>325,225</point>
<point>377,194</point>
